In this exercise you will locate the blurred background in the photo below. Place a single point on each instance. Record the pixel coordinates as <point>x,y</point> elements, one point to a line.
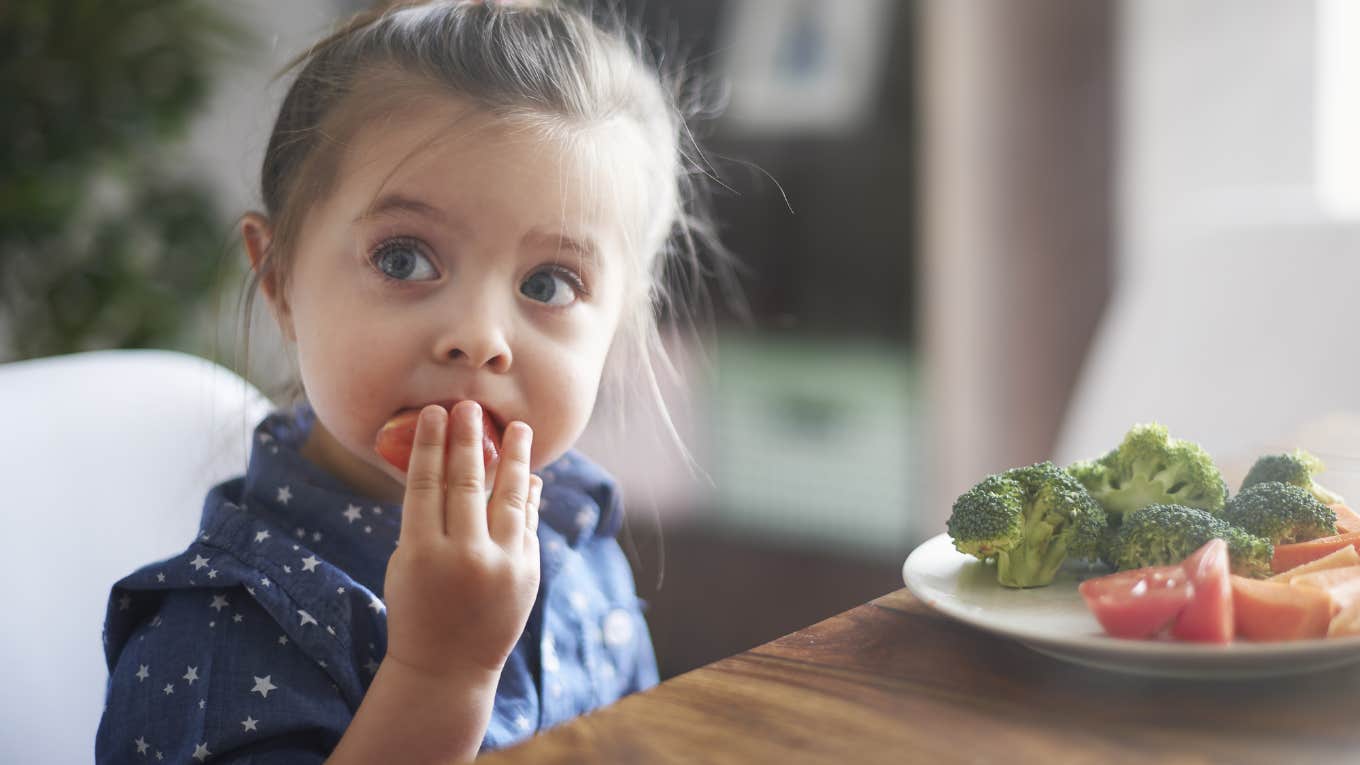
<point>977,234</point>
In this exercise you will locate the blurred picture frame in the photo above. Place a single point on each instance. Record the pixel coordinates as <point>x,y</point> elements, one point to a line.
<point>803,67</point>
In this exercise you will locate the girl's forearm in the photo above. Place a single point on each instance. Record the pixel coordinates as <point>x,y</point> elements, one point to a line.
<point>425,719</point>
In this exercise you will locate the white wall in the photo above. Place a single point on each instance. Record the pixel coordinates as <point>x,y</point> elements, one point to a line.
<point>1233,322</point>
<point>226,146</point>
<point>1216,118</point>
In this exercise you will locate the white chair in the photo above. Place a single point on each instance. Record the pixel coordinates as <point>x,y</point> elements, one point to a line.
<point>106,460</point>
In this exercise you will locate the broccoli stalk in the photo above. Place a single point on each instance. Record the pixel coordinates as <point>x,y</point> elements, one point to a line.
<point>1148,468</point>
<point>1296,469</point>
<point>1028,520</point>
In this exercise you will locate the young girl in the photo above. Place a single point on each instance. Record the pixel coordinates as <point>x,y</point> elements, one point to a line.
<point>466,212</point>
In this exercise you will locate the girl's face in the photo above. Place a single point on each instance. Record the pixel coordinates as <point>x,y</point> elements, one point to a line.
<point>485,265</point>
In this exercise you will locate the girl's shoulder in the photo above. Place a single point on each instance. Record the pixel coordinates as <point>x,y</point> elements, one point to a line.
<point>240,563</point>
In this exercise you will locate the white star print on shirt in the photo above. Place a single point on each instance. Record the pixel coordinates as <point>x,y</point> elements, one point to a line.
<point>578,600</point>
<point>263,686</point>
<point>201,752</point>
<point>260,536</point>
<point>169,689</point>
<point>191,674</point>
<point>199,563</point>
<point>249,723</point>
<point>141,744</point>
<point>353,513</point>
<point>550,660</point>
<point>218,603</point>
<point>160,577</point>
<point>285,494</point>
<point>584,517</point>
<point>377,606</point>
<point>309,563</point>
<point>142,673</point>
<point>306,618</point>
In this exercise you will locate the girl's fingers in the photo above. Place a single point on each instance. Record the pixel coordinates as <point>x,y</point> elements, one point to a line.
<point>422,515</point>
<point>531,508</point>
<point>465,505</point>
<point>506,510</point>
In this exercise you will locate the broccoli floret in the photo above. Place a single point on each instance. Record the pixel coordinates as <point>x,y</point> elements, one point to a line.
<point>1029,520</point>
<point>1162,535</point>
<point>1280,512</point>
<point>1149,468</point>
<point>1297,469</point>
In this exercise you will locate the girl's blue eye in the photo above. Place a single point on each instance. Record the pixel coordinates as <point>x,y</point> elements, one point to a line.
<point>555,287</point>
<point>402,260</point>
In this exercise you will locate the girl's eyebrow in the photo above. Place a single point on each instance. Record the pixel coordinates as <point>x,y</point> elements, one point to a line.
<point>583,248</point>
<point>390,203</point>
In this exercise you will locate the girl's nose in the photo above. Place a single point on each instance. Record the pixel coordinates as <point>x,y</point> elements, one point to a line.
<point>488,351</point>
<point>476,340</point>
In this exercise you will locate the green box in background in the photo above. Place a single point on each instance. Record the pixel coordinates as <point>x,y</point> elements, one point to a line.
<point>814,442</point>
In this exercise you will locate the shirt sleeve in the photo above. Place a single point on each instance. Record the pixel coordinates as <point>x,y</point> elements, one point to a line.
<point>209,675</point>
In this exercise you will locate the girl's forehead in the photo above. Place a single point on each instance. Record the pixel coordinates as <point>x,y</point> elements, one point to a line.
<point>465,161</point>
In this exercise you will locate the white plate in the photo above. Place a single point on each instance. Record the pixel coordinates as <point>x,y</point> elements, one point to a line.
<point>1053,620</point>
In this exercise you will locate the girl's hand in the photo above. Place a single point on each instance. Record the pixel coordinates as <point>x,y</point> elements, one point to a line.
<point>464,577</point>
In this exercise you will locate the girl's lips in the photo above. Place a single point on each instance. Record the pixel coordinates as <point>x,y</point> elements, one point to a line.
<point>397,437</point>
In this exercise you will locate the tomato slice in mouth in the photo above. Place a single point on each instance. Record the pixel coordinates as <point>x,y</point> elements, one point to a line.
<point>397,438</point>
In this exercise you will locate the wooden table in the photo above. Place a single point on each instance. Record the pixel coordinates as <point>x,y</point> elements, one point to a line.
<point>893,681</point>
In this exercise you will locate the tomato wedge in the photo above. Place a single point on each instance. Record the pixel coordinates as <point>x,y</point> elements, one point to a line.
<point>397,438</point>
<point>1140,602</point>
<point>1208,617</point>
<point>1347,520</point>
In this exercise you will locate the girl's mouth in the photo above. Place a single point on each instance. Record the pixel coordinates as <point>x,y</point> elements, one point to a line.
<point>397,437</point>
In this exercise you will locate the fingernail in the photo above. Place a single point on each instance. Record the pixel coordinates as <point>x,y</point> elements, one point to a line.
<point>472,415</point>
<point>431,415</point>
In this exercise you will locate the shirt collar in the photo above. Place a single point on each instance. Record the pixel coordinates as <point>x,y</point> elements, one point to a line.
<point>317,510</point>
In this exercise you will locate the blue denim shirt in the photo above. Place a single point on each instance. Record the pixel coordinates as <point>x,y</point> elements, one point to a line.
<point>257,643</point>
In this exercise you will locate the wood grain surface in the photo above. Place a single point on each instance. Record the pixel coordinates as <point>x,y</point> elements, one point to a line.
<point>893,681</point>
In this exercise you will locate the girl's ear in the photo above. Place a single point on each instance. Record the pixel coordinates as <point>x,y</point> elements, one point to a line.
<point>257,235</point>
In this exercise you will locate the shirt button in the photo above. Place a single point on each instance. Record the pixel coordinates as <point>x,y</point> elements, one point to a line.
<point>618,628</point>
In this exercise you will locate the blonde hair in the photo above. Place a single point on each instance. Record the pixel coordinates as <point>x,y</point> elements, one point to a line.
<point>547,65</point>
